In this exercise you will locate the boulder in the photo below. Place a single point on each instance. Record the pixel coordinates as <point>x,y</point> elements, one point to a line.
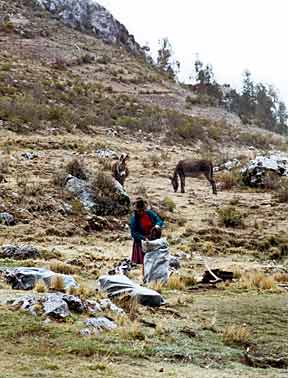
<point>98,325</point>
<point>55,307</point>
<point>26,278</point>
<point>100,206</point>
<point>16,252</point>
<point>74,303</point>
<point>7,219</point>
<point>90,16</point>
<point>118,285</point>
<point>255,171</point>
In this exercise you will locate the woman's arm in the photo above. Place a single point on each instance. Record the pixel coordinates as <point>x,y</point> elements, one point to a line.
<point>156,220</point>
<point>136,235</point>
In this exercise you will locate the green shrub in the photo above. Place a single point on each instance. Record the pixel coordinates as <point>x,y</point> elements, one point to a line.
<point>191,129</point>
<point>169,204</point>
<point>230,217</point>
<point>130,122</point>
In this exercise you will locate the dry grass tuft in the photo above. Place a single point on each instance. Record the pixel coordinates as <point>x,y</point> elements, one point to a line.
<point>175,282</point>
<point>105,163</point>
<point>208,248</point>
<point>129,305</point>
<point>131,331</point>
<point>257,280</point>
<point>189,280</point>
<point>161,330</point>
<point>60,267</point>
<point>281,277</point>
<point>282,194</point>
<point>236,272</point>
<point>57,282</point>
<point>229,180</point>
<point>40,287</point>
<point>85,292</point>
<point>72,291</point>
<point>237,334</point>
<point>103,185</point>
<point>76,169</point>
<point>157,286</point>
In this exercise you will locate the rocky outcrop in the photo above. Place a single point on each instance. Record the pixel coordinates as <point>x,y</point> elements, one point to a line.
<point>256,170</point>
<point>99,206</point>
<point>89,16</point>
<point>26,278</point>
<point>21,252</point>
<point>7,219</point>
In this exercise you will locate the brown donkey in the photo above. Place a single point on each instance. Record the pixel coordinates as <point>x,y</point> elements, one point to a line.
<point>192,168</point>
<point>119,169</point>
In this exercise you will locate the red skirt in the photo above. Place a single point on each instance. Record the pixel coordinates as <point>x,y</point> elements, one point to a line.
<point>137,253</point>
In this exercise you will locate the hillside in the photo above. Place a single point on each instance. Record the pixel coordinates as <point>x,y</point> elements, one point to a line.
<point>70,81</point>
<point>65,98</point>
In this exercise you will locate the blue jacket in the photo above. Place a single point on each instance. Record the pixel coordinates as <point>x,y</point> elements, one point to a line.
<point>136,229</point>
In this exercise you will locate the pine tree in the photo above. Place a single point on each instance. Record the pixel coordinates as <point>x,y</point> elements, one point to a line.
<point>165,59</point>
<point>247,100</point>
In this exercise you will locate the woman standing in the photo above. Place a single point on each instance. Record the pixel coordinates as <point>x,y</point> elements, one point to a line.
<point>142,222</point>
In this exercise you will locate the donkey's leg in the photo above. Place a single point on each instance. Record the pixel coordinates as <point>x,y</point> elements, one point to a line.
<point>182,179</point>
<point>212,182</point>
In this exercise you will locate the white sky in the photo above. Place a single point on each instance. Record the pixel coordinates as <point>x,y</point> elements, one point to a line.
<point>232,35</point>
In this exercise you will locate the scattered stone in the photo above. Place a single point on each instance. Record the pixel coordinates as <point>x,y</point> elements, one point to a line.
<point>2,179</point>
<point>106,154</point>
<point>174,263</point>
<point>119,284</point>
<point>26,278</point>
<point>29,155</point>
<point>55,305</point>
<point>123,267</point>
<point>260,361</point>
<point>7,219</point>
<point>66,209</point>
<point>26,303</point>
<point>228,165</point>
<point>98,325</point>
<point>106,304</point>
<point>16,252</point>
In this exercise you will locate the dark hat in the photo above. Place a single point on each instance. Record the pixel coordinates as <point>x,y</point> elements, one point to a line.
<point>139,204</point>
